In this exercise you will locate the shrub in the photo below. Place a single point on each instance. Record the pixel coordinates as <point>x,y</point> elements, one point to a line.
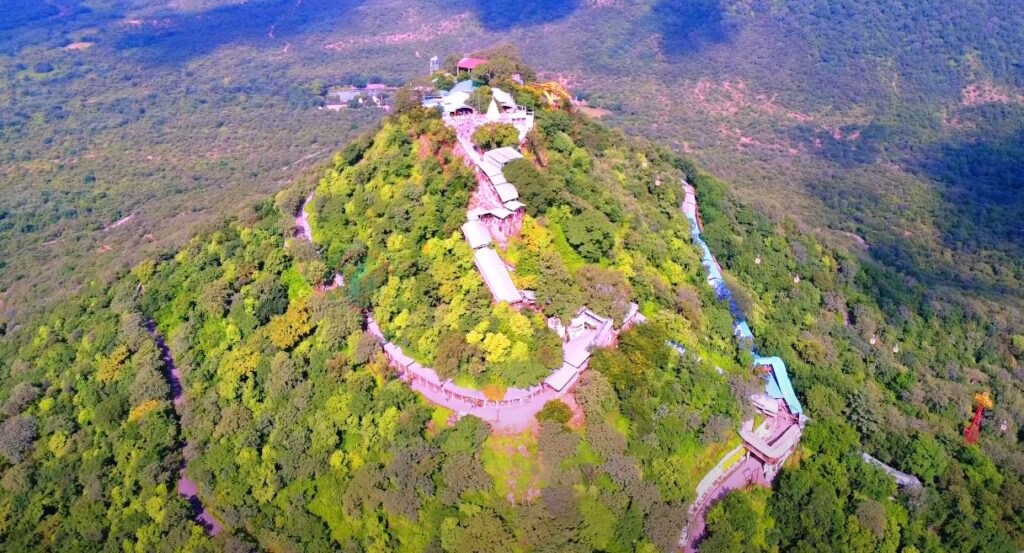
<point>555,411</point>
<point>496,135</point>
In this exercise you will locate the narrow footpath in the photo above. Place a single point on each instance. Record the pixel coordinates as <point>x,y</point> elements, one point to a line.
<point>305,232</point>
<point>187,487</point>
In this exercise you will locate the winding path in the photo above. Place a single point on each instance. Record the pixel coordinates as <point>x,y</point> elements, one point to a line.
<point>756,462</point>
<point>187,487</point>
<point>517,408</point>
<point>514,412</point>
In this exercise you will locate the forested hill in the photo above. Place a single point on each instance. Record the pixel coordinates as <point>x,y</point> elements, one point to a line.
<point>301,438</point>
<point>891,124</point>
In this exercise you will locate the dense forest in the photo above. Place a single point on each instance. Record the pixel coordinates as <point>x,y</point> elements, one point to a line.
<point>865,212</point>
<point>894,124</point>
<point>300,437</point>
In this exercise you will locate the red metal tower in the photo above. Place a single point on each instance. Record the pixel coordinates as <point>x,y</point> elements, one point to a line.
<point>982,401</point>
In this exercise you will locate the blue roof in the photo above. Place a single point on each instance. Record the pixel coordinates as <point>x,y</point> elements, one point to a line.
<point>772,388</point>
<point>466,86</point>
<point>778,385</point>
<point>715,277</point>
<point>742,330</point>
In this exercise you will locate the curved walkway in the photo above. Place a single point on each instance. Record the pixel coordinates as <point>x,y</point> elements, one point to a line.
<point>514,412</point>
<point>187,487</point>
<point>517,409</point>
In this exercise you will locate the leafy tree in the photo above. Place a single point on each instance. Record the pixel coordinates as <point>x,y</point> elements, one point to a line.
<point>408,99</point>
<point>735,525</point>
<point>269,298</point>
<point>287,329</point>
<point>606,291</point>
<point>926,458</point>
<point>536,189</point>
<point>23,394</point>
<point>555,411</point>
<point>557,292</point>
<point>442,80</point>
<point>466,436</point>
<point>495,135</point>
<point>17,436</point>
<point>595,394</point>
<point>871,515</point>
<point>502,62</point>
<point>716,429</point>
<point>663,523</point>
<point>590,234</point>
<point>462,473</point>
<point>480,100</point>
<point>366,347</point>
<point>481,531</point>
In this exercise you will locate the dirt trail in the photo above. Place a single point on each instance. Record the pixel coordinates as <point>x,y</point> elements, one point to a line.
<point>305,232</point>
<point>119,222</point>
<point>187,487</point>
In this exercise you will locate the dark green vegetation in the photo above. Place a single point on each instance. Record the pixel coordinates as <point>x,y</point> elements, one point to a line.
<point>89,445</point>
<point>905,399</point>
<point>493,136</point>
<point>900,122</point>
<point>304,440</point>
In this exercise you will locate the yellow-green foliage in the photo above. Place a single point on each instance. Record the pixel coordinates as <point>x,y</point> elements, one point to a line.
<point>513,464</point>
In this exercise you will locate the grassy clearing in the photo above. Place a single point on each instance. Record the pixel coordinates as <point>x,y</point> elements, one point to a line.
<point>439,418</point>
<point>701,459</point>
<point>513,471</point>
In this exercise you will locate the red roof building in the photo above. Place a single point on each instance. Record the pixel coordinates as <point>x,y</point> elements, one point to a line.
<point>469,64</point>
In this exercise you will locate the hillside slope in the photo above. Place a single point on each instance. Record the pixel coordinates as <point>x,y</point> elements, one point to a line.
<point>300,437</point>
<point>893,124</point>
<point>293,415</point>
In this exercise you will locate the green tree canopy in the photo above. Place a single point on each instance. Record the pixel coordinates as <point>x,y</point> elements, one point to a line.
<point>495,135</point>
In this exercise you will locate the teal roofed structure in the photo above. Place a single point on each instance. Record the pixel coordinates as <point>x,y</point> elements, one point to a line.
<point>466,86</point>
<point>715,278</point>
<point>742,331</point>
<point>778,385</point>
